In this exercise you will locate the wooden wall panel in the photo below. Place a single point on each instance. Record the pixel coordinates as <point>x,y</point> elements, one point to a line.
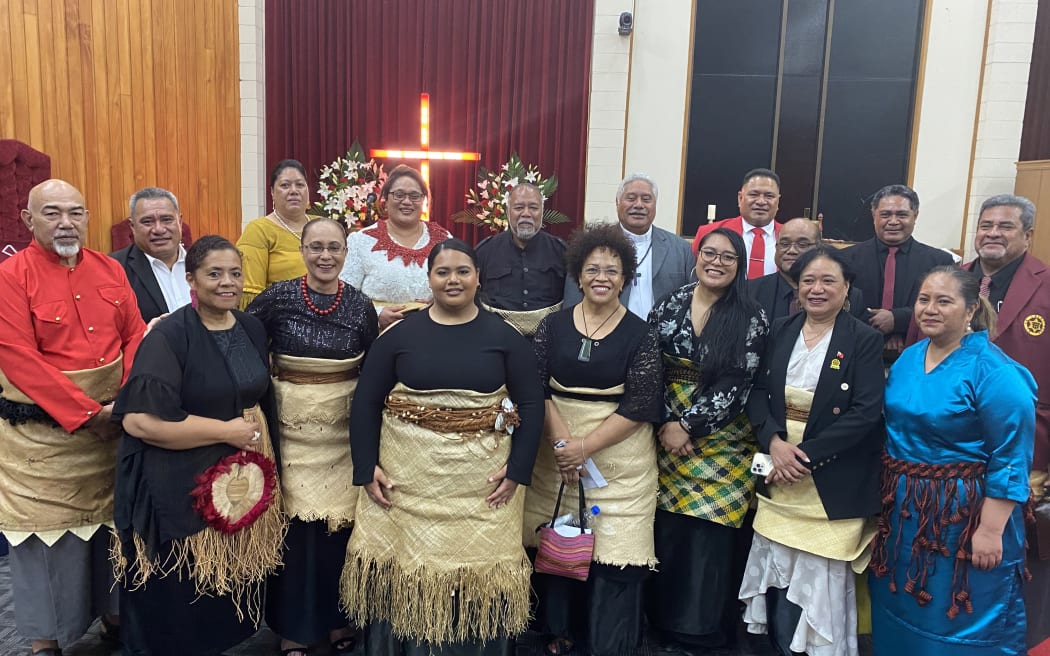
<point>125,94</point>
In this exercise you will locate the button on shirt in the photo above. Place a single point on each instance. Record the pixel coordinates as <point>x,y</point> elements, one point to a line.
<point>522,279</point>
<point>640,300</point>
<point>769,266</point>
<point>172,281</point>
<point>59,318</point>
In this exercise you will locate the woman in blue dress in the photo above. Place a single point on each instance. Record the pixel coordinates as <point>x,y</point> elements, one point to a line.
<point>948,559</point>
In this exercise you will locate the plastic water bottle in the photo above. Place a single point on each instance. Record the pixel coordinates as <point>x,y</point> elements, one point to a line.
<point>591,515</point>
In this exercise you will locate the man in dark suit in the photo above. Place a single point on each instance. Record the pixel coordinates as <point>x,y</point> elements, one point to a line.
<point>1018,287</point>
<point>665,261</point>
<point>758,201</point>
<point>890,288</point>
<point>777,292</point>
<point>156,261</point>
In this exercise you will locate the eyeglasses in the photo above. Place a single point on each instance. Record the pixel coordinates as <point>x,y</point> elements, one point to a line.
<point>710,256</point>
<point>593,271</point>
<point>413,196</point>
<point>801,245</point>
<point>317,249</point>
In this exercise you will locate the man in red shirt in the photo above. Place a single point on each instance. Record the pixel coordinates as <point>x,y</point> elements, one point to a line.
<point>68,334</point>
<point>758,201</point>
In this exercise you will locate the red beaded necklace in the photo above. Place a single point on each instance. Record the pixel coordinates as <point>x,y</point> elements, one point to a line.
<point>314,308</point>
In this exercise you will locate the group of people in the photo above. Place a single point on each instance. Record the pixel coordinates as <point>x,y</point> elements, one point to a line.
<point>724,410</point>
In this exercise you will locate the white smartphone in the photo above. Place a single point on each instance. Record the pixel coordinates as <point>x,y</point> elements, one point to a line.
<point>762,464</point>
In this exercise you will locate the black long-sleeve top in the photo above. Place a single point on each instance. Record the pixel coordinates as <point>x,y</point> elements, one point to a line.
<point>481,355</point>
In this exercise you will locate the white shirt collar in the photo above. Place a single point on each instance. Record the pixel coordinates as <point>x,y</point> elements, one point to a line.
<point>768,229</point>
<point>638,239</point>
<point>153,261</point>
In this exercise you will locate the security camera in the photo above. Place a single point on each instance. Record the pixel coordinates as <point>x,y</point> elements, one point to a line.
<point>626,23</point>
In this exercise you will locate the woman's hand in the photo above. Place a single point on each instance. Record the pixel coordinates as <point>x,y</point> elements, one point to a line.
<point>987,548</point>
<point>390,314</point>
<point>786,465</point>
<point>571,456</point>
<point>504,491</point>
<point>675,439</point>
<point>375,489</point>
<point>102,424</point>
<point>243,433</point>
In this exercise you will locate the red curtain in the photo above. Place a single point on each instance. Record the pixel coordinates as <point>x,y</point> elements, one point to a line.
<point>503,76</point>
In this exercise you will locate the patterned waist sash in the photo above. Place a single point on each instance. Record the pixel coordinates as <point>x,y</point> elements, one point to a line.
<point>500,417</point>
<point>933,493</point>
<point>313,411</point>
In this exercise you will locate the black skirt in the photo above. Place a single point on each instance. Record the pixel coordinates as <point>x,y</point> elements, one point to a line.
<point>167,617</point>
<point>302,598</point>
<point>692,599</point>
<point>381,641</point>
<point>602,614</point>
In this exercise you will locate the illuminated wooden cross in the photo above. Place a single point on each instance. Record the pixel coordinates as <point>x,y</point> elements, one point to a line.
<point>424,154</point>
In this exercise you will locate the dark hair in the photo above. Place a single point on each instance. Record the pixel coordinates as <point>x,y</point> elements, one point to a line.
<point>320,219</point>
<point>286,164</point>
<point>761,173</point>
<point>896,190</point>
<point>453,244</point>
<point>404,171</point>
<point>204,245</point>
<point>729,319</point>
<point>608,236</point>
<point>984,317</point>
<point>827,252</point>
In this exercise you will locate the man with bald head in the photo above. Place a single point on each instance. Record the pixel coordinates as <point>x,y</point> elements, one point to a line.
<point>777,293</point>
<point>68,334</point>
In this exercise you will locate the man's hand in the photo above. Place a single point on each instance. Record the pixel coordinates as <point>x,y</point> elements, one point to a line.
<point>881,320</point>
<point>102,425</point>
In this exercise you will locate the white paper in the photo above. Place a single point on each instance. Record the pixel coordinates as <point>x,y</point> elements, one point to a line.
<point>570,531</point>
<point>591,477</point>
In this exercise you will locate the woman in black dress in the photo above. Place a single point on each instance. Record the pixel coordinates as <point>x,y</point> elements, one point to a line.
<point>319,328</point>
<point>603,382</point>
<point>435,562</point>
<point>197,504</point>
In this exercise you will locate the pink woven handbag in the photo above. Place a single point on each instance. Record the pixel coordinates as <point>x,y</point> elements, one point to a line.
<point>568,556</point>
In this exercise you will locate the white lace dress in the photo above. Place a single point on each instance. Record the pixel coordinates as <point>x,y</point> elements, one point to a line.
<point>386,271</point>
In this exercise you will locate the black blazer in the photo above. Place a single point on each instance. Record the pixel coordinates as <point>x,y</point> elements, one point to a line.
<point>845,432</point>
<point>774,294</point>
<point>911,267</point>
<point>143,282</point>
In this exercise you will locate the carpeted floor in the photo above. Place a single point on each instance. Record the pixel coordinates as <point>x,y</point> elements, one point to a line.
<point>264,643</point>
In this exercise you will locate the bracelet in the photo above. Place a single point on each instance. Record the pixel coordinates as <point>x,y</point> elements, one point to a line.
<point>583,452</point>
<point>684,424</point>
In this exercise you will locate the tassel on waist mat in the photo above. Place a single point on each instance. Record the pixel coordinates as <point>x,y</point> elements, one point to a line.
<point>933,494</point>
<point>497,417</point>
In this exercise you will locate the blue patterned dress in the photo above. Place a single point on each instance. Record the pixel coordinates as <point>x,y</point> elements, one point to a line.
<point>973,418</point>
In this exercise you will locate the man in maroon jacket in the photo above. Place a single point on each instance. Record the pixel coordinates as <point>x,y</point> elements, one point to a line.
<point>1018,287</point>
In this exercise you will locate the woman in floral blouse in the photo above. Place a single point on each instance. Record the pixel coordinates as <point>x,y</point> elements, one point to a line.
<point>712,336</point>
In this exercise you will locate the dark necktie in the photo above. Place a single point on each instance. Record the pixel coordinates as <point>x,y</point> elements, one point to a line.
<point>756,266</point>
<point>986,286</point>
<point>889,278</point>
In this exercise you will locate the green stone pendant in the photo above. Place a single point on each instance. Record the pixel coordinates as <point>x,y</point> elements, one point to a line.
<point>585,350</point>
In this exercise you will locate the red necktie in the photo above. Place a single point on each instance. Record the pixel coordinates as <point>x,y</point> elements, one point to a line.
<point>986,286</point>
<point>889,278</point>
<point>756,265</point>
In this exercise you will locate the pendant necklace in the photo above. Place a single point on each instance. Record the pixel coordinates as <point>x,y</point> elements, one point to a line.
<point>587,342</point>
